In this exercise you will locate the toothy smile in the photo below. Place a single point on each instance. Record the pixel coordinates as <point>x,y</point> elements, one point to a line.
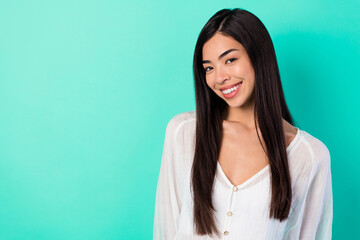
<point>229,90</point>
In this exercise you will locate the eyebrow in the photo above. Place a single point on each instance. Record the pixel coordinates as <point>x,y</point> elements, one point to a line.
<point>222,55</point>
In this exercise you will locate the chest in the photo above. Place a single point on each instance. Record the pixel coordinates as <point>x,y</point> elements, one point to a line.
<point>241,156</point>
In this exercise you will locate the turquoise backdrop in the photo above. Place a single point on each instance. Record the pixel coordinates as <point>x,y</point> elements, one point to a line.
<point>87,88</point>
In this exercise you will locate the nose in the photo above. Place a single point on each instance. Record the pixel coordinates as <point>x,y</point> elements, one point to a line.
<point>221,75</point>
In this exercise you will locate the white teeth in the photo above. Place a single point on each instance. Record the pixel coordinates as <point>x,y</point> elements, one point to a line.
<point>227,91</point>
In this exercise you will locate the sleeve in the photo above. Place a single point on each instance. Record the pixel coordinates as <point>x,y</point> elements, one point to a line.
<point>318,206</point>
<point>167,203</point>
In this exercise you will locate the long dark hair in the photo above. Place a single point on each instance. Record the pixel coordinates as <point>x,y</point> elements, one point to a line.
<point>270,107</point>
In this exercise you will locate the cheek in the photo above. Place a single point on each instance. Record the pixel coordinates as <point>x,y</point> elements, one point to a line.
<point>252,74</point>
<point>244,70</point>
<point>209,82</point>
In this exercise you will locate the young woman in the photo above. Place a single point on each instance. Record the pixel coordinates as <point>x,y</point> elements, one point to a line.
<point>237,168</point>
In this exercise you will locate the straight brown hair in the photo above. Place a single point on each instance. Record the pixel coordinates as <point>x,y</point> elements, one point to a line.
<point>270,107</point>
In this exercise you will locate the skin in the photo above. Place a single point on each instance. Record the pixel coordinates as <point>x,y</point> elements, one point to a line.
<point>238,163</point>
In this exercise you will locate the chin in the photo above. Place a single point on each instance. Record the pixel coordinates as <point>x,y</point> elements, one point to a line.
<point>233,104</point>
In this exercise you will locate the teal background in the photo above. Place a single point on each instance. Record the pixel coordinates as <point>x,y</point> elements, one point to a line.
<point>87,88</point>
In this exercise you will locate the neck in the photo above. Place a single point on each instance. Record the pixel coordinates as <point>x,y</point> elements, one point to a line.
<point>243,115</point>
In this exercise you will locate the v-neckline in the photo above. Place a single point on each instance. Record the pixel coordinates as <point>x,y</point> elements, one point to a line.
<point>248,181</point>
<point>259,173</point>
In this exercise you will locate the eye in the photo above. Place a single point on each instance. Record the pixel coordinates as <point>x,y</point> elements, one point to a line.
<point>207,69</point>
<point>231,59</point>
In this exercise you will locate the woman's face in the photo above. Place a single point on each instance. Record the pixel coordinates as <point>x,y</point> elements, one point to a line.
<point>228,70</point>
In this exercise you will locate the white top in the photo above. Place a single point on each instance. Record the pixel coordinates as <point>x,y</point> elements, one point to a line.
<point>242,211</point>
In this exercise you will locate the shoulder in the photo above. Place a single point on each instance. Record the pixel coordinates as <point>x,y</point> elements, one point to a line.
<point>309,159</point>
<point>290,132</point>
<point>179,142</point>
<point>180,120</point>
<point>318,151</point>
<point>308,154</point>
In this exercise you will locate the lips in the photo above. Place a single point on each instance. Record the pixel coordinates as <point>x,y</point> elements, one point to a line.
<point>232,92</point>
<point>230,86</point>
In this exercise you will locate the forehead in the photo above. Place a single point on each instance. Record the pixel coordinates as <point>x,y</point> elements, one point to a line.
<point>218,44</point>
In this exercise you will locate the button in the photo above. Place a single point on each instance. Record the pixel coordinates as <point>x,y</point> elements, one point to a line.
<point>226,233</point>
<point>229,213</point>
<point>235,188</point>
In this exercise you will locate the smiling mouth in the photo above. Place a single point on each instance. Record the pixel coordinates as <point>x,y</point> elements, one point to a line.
<point>230,90</point>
